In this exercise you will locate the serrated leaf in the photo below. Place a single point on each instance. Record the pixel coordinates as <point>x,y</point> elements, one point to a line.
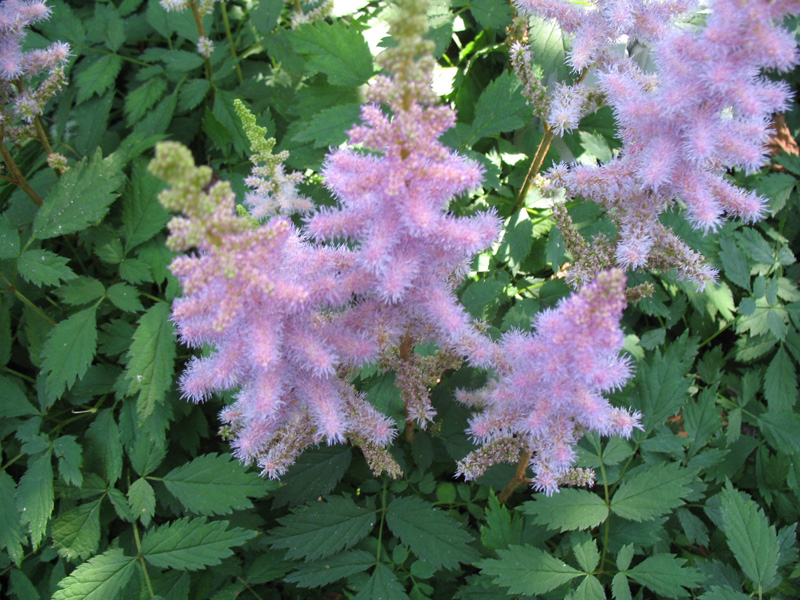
<point>321,529</point>
<point>502,529</point>
<point>214,485</point>
<point>383,585</point>
<point>624,557</point>
<point>517,239</point>
<point>104,446</point>
<point>666,575</point>
<point>125,297</point>
<point>151,359</point>
<point>701,419</point>
<point>82,290</point>
<point>548,47</point>
<point>191,544</point>
<point>96,75</point>
<point>314,474</point>
<point>694,528</point>
<point>780,382</point>
<point>569,509</point>
<point>589,589</point>
<point>329,127</point>
<point>587,554</point>
<point>490,14</point>
<point>142,500</point>
<point>782,430</point>
<point>652,492</point>
<point>192,93</point>
<point>528,570</point>
<point>717,592</point>
<point>100,578</point>
<point>501,107</point>
<point>81,197</point>
<point>751,538</point>
<point>69,350</point>
<point>182,61</point>
<point>777,187</point>
<point>620,589</point>
<point>430,533</point>
<point>11,537</point>
<point>107,25</point>
<point>69,454</point>
<point>120,504</point>
<point>337,50</point>
<point>143,216</point>
<point>76,533</point>
<point>134,271</point>
<point>42,267</point>
<point>35,496</point>
<point>143,98</point>
<point>9,238</point>
<point>322,572</point>
<point>13,402</point>
<point>734,262</point>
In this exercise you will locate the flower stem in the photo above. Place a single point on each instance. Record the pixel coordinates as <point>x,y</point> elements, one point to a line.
<point>144,564</point>
<point>201,32</point>
<point>518,479</point>
<point>17,176</point>
<point>230,40</point>
<point>536,166</point>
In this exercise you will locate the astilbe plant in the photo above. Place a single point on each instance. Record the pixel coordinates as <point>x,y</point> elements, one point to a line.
<point>705,109</point>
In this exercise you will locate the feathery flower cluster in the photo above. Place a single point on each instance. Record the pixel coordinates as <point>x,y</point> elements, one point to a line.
<point>274,191</point>
<point>550,384</point>
<point>22,94</point>
<point>706,109</point>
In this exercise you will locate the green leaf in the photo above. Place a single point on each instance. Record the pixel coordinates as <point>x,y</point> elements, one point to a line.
<point>321,529</point>
<point>96,75</point>
<point>10,531</point>
<point>13,402</point>
<point>782,430</point>
<point>569,509</point>
<point>215,485</point>
<point>652,491</point>
<point>548,47</point>
<point>322,572</point>
<point>314,474</point>
<point>751,538</point>
<point>125,297</point>
<point>69,350</point>
<point>666,575</point>
<point>107,25</point>
<point>777,187</point>
<point>42,267</point>
<point>694,528</point>
<point>502,529</point>
<point>142,500</point>
<point>620,589</point>
<point>69,454</point>
<point>382,585</point>
<point>22,587</point>
<point>589,589</point>
<point>587,554</point>
<point>9,238</point>
<point>701,419</point>
<point>100,578</point>
<point>528,570</point>
<point>734,262</point>
<point>143,98</point>
<point>143,216</point>
<point>780,382</point>
<point>151,359</point>
<point>490,14</point>
<point>192,94</point>
<point>517,239</point>
<point>337,50</point>
<point>35,496</point>
<point>430,533</point>
<point>82,290</point>
<point>191,544</point>
<point>134,271</point>
<point>329,127</point>
<point>121,505</point>
<point>76,533</point>
<point>723,593</point>
<point>500,108</point>
<point>182,61</point>
<point>81,197</point>
<point>104,446</point>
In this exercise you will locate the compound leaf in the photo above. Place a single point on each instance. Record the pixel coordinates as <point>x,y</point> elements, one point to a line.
<point>42,267</point>
<point>99,578</point>
<point>569,509</point>
<point>528,570</point>
<point>652,492</point>
<point>69,350</point>
<point>666,575</point>
<point>76,533</point>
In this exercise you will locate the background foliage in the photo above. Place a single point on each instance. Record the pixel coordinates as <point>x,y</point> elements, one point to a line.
<point>114,487</point>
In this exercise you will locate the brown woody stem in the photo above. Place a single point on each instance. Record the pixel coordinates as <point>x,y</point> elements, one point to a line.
<point>518,479</point>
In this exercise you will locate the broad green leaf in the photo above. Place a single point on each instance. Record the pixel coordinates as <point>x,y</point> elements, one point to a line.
<point>734,262</point>
<point>142,500</point>
<point>777,187</point>
<point>528,570</point>
<point>13,402</point>
<point>694,528</point>
<point>192,93</point>
<point>69,350</point>
<point>314,474</point>
<point>95,75</point>
<point>107,26</point>
<point>589,589</point>
<point>782,430</point>
<point>751,538</point>
<point>329,127</point>
<point>624,557</point>
<point>480,296</point>
<point>717,592</point>
<point>158,119</point>
<point>151,359</point>
<point>125,297</point>
<point>22,587</point>
<point>666,575</point>
<point>548,47</point>
<point>517,239</point>
<point>586,553</point>
<point>104,447</point>
<point>9,238</point>
<point>143,216</point>
<point>100,578</point>
<point>76,533</point>
<point>701,419</point>
<point>502,528</point>
<point>35,496</point>
<point>191,544</point>
<point>322,572</point>
<point>70,457</point>
<point>215,485</point>
<point>337,50</point>
<point>42,267</point>
<point>569,509</point>
<point>11,537</point>
<point>134,271</point>
<point>780,382</point>
<point>81,197</point>
<point>226,116</point>
<point>320,529</point>
<point>264,16</point>
<point>143,98</point>
<point>500,108</point>
<point>755,246</point>
<point>490,14</point>
<point>430,533</point>
<point>121,505</point>
<point>652,491</point>
<point>383,585</point>
<point>82,290</point>
<point>620,589</point>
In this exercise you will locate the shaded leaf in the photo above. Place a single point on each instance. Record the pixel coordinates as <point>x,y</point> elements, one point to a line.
<point>11,537</point>
<point>322,572</point>
<point>382,585</point>
<point>76,533</point>
<point>42,267</point>
<point>100,578</point>
<point>69,350</point>
<point>666,575</point>
<point>142,500</point>
<point>35,496</point>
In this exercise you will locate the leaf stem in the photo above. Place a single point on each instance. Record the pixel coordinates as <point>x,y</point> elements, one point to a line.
<point>144,564</point>
<point>518,479</point>
<point>24,300</point>
<point>201,32</point>
<point>608,517</point>
<point>230,40</point>
<point>383,518</point>
<point>12,461</point>
<point>17,176</point>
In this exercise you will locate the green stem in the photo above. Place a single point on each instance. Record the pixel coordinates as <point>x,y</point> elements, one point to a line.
<point>18,374</point>
<point>608,519</point>
<point>250,589</point>
<point>27,302</point>
<point>728,324</point>
<point>16,174</point>
<point>42,135</point>
<point>201,32</point>
<point>144,564</point>
<point>122,56</point>
<point>12,461</point>
<point>383,518</point>
<point>536,166</point>
<point>231,42</point>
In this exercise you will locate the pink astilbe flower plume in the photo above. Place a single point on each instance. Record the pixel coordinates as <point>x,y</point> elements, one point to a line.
<point>549,386</point>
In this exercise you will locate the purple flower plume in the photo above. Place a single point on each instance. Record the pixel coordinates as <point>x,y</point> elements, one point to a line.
<point>549,386</point>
